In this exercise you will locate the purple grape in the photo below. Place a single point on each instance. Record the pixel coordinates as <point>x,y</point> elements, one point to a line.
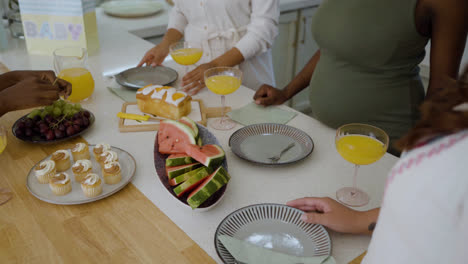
<point>19,132</point>
<point>87,114</point>
<point>78,122</point>
<point>77,128</point>
<point>70,131</point>
<point>21,125</point>
<point>85,122</point>
<point>76,116</point>
<point>62,127</point>
<point>43,129</point>
<point>29,123</point>
<point>28,132</point>
<point>50,135</point>
<point>36,129</point>
<point>37,118</point>
<point>49,119</point>
<point>58,133</point>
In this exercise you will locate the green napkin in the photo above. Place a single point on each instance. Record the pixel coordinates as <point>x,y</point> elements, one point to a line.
<point>125,94</point>
<point>253,114</point>
<point>248,253</point>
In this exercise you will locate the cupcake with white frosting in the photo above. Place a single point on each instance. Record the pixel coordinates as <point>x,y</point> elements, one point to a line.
<point>91,185</point>
<point>107,157</point>
<point>44,171</point>
<point>61,159</point>
<point>81,168</point>
<point>99,149</point>
<point>80,152</point>
<point>60,184</point>
<point>111,172</point>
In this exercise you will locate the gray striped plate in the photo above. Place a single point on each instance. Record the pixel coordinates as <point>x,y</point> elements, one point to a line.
<point>258,142</point>
<point>274,226</point>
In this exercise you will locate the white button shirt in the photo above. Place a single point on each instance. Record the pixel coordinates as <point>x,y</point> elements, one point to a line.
<point>219,25</point>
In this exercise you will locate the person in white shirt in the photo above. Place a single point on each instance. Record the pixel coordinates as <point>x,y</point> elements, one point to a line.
<point>424,213</point>
<point>231,32</point>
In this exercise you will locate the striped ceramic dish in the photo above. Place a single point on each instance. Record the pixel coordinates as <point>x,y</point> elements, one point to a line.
<point>274,226</point>
<point>259,142</point>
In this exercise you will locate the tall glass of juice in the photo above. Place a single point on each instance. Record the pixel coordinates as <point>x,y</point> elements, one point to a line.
<point>185,54</point>
<point>71,64</point>
<point>359,144</point>
<point>223,81</point>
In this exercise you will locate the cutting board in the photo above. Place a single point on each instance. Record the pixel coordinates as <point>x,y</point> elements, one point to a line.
<point>359,259</point>
<point>199,114</point>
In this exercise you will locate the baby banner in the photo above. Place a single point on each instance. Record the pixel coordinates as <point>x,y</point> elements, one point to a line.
<point>52,24</point>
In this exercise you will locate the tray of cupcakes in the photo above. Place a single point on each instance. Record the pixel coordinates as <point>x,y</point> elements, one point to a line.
<point>83,174</point>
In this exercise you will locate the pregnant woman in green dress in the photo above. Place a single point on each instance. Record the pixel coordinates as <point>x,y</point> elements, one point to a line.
<point>367,67</point>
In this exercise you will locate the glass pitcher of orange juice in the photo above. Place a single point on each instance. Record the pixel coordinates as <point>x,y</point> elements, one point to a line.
<point>71,65</point>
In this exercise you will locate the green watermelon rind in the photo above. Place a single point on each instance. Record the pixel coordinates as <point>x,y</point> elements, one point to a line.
<point>179,190</point>
<point>220,178</point>
<point>174,173</point>
<point>182,178</point>
<point>199,141</point>
<point>213,161</point>
<point>193,126</point>
<point>185,160</point>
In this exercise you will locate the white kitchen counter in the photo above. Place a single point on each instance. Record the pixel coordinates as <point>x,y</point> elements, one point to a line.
<point>321,174</point>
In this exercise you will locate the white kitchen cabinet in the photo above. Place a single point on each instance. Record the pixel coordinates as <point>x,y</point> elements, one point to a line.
<point>293,48</point>
<point>284,48</point>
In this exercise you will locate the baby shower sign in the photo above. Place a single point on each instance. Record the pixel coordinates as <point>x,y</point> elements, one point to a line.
<point>52,24</point>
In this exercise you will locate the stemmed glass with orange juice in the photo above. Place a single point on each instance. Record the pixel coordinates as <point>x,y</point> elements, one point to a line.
<point>359,144</point>
<point>71,65</point>
<point>185,54</point>
<point>5,194</point>
<point>223,81</point>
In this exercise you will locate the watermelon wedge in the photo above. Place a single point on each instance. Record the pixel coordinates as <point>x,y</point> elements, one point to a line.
<point>190,123</point>
<point>208,187</point>
<point>182,178</point>
<point>208,155</point>
<point>173,172</point>
<point>173,137</point>
<point>191,183</point>
<point>178,159</point>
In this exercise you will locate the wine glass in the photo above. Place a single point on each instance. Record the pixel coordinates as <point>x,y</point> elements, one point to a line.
<point>223,80</point>
<point>185,54</point>
<point>71,64</point>
<point>359,144</point>
<point>5,194</point>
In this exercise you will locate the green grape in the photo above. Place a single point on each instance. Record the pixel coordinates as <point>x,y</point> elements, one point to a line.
<point>77,107</point>
<point>68,112</point>
<point>34,113</point>
<point>43,114</point>
<point>73,112</point>
<point>68,106</point>
<point>49,109</point>
<point>57,111</point>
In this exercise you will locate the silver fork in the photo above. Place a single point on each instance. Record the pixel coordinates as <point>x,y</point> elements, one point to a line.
<point>276,158</point>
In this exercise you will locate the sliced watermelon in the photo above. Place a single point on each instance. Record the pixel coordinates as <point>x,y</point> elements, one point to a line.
<point>178,159</point>
<point>182,178</point>
<point>191,183</point>
<point>199,141</point>
<point>208,187</point>
<point>173,137</point>
<point>208,155</point>
<point>190,123</point>
<point>173,172</point>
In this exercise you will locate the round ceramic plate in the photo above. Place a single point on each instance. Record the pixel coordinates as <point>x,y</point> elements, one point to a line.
<point>76,196</point>
<point>40,140</point>
<point>258,142</point>
<point>138,77</point>
<point>276,227</point>
<point>160,165</point>
<point>124,8</point>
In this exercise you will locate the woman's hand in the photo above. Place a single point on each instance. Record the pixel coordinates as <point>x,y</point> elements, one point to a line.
<point>155,56</point>
<point>32,92</point>
<point>328,212</point>
<point>194,81</point>
<point>268,95</point>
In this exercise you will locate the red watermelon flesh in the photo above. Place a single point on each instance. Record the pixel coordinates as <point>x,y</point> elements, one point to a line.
<point>208,155</point>
<point>190,123</point>
<point>173,137</point>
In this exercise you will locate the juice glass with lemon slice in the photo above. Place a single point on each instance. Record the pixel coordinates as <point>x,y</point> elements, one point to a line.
<point>223,81</point>
<point>71,65</point>
<point>359,144</point>
<point>185,54</point>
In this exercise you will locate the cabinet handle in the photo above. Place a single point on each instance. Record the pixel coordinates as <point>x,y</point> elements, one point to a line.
<point>304,20</point>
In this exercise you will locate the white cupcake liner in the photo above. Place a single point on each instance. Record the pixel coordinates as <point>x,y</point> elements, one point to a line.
<point>46,177</point>
<point>92,191</point>
<point>112,178</point>
<point>61,189</point>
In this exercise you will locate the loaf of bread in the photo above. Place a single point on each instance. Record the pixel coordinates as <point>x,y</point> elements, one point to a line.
<point>163,101</point>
